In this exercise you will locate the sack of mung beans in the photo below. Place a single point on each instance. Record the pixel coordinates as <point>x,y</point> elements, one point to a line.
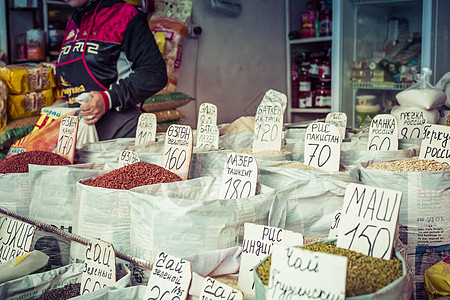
<point>424,226</point>
<point>187,217</point>
<point>312,196</point>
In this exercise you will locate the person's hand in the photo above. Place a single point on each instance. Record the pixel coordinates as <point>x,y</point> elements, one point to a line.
<point>94,109</point>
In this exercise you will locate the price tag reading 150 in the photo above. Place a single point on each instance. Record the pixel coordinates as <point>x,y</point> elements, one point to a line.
<point>322,146</point>
<point>268,127</point>
<point>146,129</point>
<point>67,138</point>
<point>178,150</point>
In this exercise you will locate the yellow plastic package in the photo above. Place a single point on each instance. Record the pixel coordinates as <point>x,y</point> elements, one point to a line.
<point>168,115</point>
<point>437,279</point>
<point>29,104</point>
<point>25,78</point>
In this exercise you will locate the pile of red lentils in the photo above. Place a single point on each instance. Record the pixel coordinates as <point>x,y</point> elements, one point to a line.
<point>18,163</point>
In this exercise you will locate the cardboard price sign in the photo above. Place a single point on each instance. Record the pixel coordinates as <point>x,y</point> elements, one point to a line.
<point>16,238</point>
<point>268,127</point>
<point>411,123</point>
<point>207,114</point>
<point>306,275</point>
<point>383,133</point>
<point>334,228</point>
<point>257,244</point>
<point>170,278</point>
<point>239,176</point>
<point>208,137</point>
<point>146,129</point>
<point>322,146</point>
<point>435,145</point>
<point>338,119</point>
<point>99,266</point>
<point>178,150</point>
<point>67,138</point>
<point>272,96</point>
<point>216,290</point>
<point>128,157</point>
<point>369,220</point>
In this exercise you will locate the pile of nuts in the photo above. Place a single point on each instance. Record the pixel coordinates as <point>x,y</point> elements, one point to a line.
<point>410,165</point>
<point>66,292</point>
<point>18,163</point>
<point>134,175</point>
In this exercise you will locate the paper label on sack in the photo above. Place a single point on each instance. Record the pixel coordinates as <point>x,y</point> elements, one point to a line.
<point>257,244</point>
<point>272,96</point>
<point>207,114</point>
<point>268,127</point>
<point>99,269</point>
<point>216,290</point>
<point>322,146</point>
<point>208,137</point>
<point>170,278</point>
<point>369,220</point>
<point>178,150</point>
<point>304,274</point>
<point>239,177</point>
<point>435,144</point>
<point>16,238</point>
<point>411,123</point>
<point>383,133</point>
<point>146,129</point>
<point>67,138</point>
<point>338,119</point>
<point>334,228</point>
<point>128,157</point>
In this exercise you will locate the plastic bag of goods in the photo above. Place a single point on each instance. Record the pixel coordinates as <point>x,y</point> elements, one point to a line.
<point>126,293</point>
<point>444,85</point>
<point>29,104</point>
<point>102,207</point>
<point>102,151</point>
<point>187,217</point>
<point>15,130</point>
<point>437,279</point>
<point>312,195</point>
<point>3,104</point>
<point>237,135</point>
<point>424,228</point>
<point>168,101</point>
<point>151,152</point>
<point>393,285</point>
<point>25,78</point>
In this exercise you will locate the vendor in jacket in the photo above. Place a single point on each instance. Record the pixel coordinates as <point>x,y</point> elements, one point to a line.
<point>109,51</point>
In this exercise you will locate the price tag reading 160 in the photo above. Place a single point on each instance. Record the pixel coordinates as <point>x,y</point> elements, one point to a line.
<point>178,150</point>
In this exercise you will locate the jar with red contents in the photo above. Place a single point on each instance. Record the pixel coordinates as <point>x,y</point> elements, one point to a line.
<point>295,89</point>
<point>323,94</point>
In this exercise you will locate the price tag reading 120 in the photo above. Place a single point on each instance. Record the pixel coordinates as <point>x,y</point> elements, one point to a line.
<point>322,146</point>
<point>239,177</point>
<point>67,138</point>
<point>128,157</point>
<point>369,220</point>
<point>268,127</point>
<point>383,133</point>
<point>146,129</point>
<point>178,150</point>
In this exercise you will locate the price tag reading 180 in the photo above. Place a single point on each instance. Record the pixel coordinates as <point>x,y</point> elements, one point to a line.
<point>178,150</point>
<point>128,157</point>
<point>239,177</point>
<point>146,129</point>
<point>207,114</point>
<point>67,138</point>
<point>268,127</point>
<point>322,146</point>
<point>369,220</point>
<point>383,133</point>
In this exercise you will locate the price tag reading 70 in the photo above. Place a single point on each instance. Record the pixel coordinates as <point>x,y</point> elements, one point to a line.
<point>322,146</point>
<point>178,150</point>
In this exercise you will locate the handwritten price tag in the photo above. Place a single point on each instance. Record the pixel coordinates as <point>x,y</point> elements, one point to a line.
<point>435,144</point>
<point>207,114</point>
<point>215,290</point>
<point>258,242</point>
<point>170,278</point>
<point>383,133</point>
<point>306,274</point>
<point>146,129</point>
<point>338,119</point>
<point>99,266</point>
<point>128,157</point>
<point>178,150</point>
<point>334,228</point>
<point>67,138</point>
<point>239,177</point>
<point>322,146</point>
<point>16,238</point>
<point>369,220</point>
<point>272,96</point>
<point>411,122</point>
<point>268,127</point>
<point>208,137</point>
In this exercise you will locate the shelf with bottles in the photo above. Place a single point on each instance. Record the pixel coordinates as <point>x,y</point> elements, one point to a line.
<point>312,40</point>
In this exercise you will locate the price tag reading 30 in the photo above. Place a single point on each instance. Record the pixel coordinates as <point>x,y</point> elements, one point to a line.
<point>128,157</point>
<point>268,127</point>
<point>322,146</point>
<point>67,138</point>
<point>239,177</point>
<point>146,129</point>
<point>178,150</point>
<point>207,114</point>
<point>383,133</point>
